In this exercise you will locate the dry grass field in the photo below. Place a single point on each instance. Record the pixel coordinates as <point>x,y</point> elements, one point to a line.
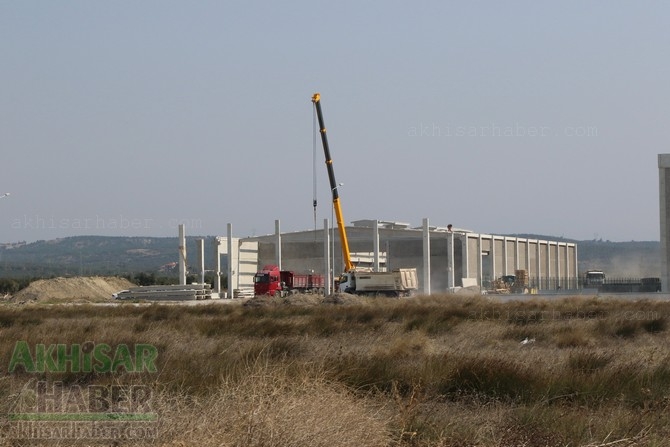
<point>427,371</point>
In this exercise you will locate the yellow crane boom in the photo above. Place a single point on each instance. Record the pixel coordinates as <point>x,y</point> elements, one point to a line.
<point>346,255</point>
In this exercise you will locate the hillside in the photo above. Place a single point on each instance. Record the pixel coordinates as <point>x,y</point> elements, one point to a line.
<point>634,259</point>
<point>102,255</point>
<point>95,255</point>
<point>621,259</point>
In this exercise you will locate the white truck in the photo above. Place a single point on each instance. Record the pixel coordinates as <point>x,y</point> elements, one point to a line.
<point>399,282</point>
<point>594,278</point>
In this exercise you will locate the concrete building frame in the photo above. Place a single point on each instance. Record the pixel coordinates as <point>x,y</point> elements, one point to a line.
<point>453,262</point>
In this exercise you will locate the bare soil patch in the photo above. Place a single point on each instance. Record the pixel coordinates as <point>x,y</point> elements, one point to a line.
<point>77,289</point>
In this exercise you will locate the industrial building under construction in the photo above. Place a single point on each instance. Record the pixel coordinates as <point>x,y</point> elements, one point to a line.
<point>426,258</point>
<point>446,258</point>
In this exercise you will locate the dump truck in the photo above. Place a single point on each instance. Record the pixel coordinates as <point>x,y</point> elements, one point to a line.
<point>401,282</point>
<point>271,281</point>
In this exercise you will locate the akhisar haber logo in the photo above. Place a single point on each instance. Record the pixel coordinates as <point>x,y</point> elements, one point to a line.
<point>87,357</point>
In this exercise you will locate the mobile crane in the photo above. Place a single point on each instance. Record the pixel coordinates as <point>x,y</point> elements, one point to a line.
<point>346,255</point>
<point>399,282</point>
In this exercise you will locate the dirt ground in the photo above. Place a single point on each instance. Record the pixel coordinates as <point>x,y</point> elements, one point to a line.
<point>308,299</point>
<point>77,289</point>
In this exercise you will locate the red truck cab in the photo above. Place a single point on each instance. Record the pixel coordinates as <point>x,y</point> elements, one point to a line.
<point>268,281</point>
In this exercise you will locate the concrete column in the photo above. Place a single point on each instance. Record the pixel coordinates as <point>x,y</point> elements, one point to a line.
<point>450,261</point>
<point>201,258</point>
<point>576,271</point>
<point>548,274</point>
<point>664,196</point>
<point>426,257</point>
<point>566,266</point>
<point>326,256</point>
<point>278,243</point>
<point>558,265</point>
<point>217,265</point>
<point>466,256</point>
<point>504,266</point>
<point>182,255</point>
<point>375,245</point>
<point>232,278</point>
<point>492,255</point>
<point>538,261</point>
<point>480,269</point>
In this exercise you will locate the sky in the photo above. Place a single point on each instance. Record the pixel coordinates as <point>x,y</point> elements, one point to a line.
<point>129,118</point>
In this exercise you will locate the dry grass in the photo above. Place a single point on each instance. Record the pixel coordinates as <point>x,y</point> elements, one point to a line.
<point>269,405</point>
<point>441,370</point>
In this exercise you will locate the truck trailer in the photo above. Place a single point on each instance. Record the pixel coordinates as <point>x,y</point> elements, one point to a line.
<point>271,281</point>
<point>399,282</point>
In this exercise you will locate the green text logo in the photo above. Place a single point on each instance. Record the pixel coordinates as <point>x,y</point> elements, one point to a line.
<point>87,357</point>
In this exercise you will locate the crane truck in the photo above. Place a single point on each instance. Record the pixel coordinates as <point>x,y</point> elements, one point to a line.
<point>399,282</point>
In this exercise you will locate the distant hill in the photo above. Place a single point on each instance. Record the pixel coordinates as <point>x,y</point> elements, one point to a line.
<point>634,259</point>
<point>97,255</point>
<point>104,255</point>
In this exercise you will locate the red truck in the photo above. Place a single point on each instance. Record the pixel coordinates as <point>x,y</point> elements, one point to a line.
<point>274,282</point>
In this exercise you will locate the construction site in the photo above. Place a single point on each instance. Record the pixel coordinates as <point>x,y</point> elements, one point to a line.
<point>381,257</point>
<point>376,257</point>
<point>390,258</point>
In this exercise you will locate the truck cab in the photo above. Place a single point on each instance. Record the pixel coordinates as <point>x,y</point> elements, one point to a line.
<point>271,281</point>
<point>594,278</point>
<point>268,281</point>
<point>347,282</point>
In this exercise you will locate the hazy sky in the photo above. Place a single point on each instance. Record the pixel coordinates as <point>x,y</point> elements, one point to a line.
<point>130,117</point>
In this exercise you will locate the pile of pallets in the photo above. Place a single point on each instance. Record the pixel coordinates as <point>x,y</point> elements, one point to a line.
<point>521,277</point>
